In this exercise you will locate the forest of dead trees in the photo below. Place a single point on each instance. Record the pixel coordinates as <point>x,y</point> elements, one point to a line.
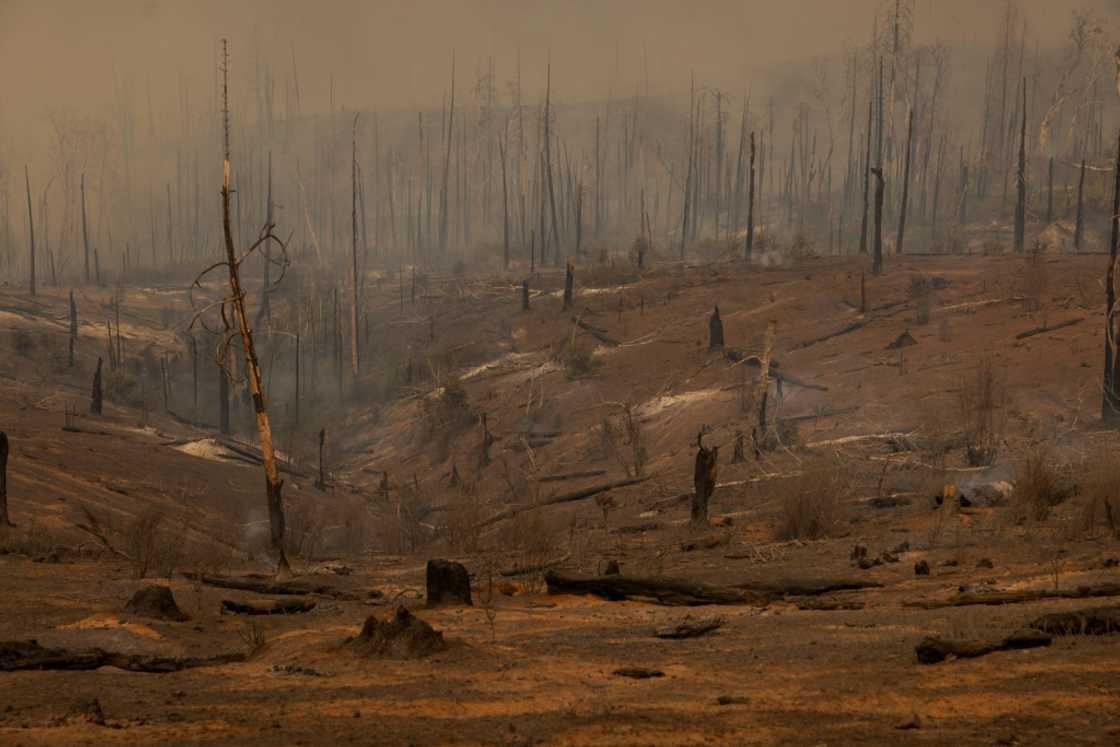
<point>887,147</point>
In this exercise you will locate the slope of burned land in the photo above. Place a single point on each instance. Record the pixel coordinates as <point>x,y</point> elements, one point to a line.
<point>870,446</point>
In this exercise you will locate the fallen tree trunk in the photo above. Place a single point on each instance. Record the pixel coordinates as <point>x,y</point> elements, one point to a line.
<point>23,655</point>
<point>1094,621</point>
<point>573,475</point>
<point>1016,597</point>
<point>666,591</point>
<point>807,587</point>
<point>270,587</point>
<point>597,333</point>
<point>824,338</point>
<point>690,628</point>
<point>1049,328</point>
<point>578,495</point>
<point>933,650</point>
<point>268,607</point>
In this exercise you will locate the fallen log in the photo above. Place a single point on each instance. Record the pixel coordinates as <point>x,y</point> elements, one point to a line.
<point>597,333</point>
<point>666,591</point>
<point>856,439</point>
<point>573,475</point>
<point>24,655</point>
<point>1093,621</point>
<point>638,673</point>
<point>268,607</point>
<point>1017,597</point>
<point>525,570</point>
<point>268,587</point>
<point>828,605</point>
<point>824,338</point>
<point>1049,328</point>
<point>933,650</point>
<point>578,495</point>
<point>690,628</point>
<point>806,587</point>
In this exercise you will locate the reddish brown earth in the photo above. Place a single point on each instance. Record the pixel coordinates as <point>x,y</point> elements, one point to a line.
<point>526,667</point>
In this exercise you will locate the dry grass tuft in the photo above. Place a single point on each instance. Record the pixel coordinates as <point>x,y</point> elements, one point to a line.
<point>811,504</point>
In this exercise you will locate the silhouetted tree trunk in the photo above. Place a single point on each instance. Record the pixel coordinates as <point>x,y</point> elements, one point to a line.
<point>73,329</point>
<point>1021,180</point>
<point>569,281</point>
<point>750,204</point>
<point>321,480</point>
<point>95,396</point>
<point>715,331</point>
<point>85,230</point>
<point>866,178</point>
<point>905,183</point>
<point>30,231</point>
<point>1050,193</point>
<point>877,256</point>
<point>1110,405</point>
<point>4,519</point>
<point>704,480</point>
<point>1079,226</point>
<point>525,294</point>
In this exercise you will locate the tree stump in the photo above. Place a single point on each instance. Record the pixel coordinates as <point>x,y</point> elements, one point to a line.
<point>156,602</point>
<point>449,584</point>
<point>704,479</point>
<point>95,396</point>
<point>715,331</point>
<point>401,636</point>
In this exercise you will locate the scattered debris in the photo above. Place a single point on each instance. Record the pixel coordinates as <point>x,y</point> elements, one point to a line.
<point>671,592</point>
<point>1094,621</point>
<point>21,655</point>
<point>726,700</point>
<point>904,340</point>
<point>828,605</point>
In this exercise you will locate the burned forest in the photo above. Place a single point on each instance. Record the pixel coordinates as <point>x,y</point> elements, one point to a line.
<point>547,373</point>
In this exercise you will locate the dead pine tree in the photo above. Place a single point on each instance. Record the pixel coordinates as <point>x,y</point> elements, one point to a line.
<point>757,416</point>
<point>704,480</point>
<point>525,294</point>
<point>30,231</point>
<point>355,353</point>
<point>1021,180</point>
<point>568,283</point>
<point>95,395</point>
<point>4,519</point>
<point>236,324</point>
<point>85,230</point>
<point>1079,225</point>
<point>877,251</point>
<point>905,184</point>
<point>321,480</point>
<point>73,329</point>
<point>487,442</point>
<point>715,331</point>
<point>1110,401</point>
<point>750,204</point>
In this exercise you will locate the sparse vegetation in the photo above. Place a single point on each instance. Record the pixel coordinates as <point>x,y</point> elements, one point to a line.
<point>811,504</point>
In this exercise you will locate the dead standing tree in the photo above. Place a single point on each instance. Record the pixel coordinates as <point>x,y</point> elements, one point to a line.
<point>4,520</point>
<point>235,324</point>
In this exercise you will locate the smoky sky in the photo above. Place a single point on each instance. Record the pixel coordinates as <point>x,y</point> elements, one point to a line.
<point>396,54</point>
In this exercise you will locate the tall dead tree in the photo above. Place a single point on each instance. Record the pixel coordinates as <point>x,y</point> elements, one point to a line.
<point>1079,225</point>
<point>85,229</point>
<point>95,394</point>
<point>905,184</point>
<point>4,519</point>
<point>750,203</point>
<point>569,285</point>
<point>447,166</point>
<point>866,178</point>
<point>1021,179</point>
<point>1110,400</point>
<point>30,230</point>
<point>73,336</point>
<point>237,325</point>
<point>757,416</point>
<point>355,302</point>
<point>877,252</point>
<point>505,204</point>
<point>704,480</point>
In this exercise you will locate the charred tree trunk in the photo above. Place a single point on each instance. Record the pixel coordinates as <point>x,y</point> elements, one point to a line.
<point>95,395</point>
<point>905,184</point>
<point>85,229</point>
<point>715,331</point>
<point>704,480</point>
<point>321,480</point>
<point>355,301</point>
<point>1110,405</point>
<point>877,256</point>
<point>866,178</point>
<point>4,519</point>
<point>505,206</point>
<point>525,294</point>
<point>1021,180</point>
<point>30,231</point>
<point>569,282</point>
<point>762,387</point>
<point>223,401</point>
<point>1050,193</point>
<point>1079,226</point>
<point>273,483</point>
<point>750,204</point>
<point>73,329</point>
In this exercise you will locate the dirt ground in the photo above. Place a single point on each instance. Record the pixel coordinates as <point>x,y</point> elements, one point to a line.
<point>878,430</point>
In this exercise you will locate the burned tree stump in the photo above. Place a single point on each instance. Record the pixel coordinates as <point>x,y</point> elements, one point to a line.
<point>704,479</point>
<point>155,602</point>
<point>449,584</point>
<point>715,331</point>
<point>95,396</point>
<point>4,520</point>
<point>569,281</point>
<point>401,636</point>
